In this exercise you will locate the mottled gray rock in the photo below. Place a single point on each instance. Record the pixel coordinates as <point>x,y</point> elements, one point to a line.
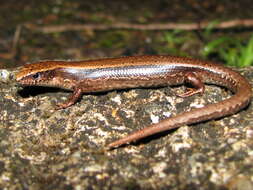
<point>41,148</point>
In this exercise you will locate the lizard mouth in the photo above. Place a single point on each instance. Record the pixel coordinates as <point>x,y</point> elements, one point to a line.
<point>25,82</point>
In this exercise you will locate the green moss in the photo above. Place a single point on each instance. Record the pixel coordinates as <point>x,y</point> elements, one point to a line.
<point>113,39</point>
<point>233,51</point>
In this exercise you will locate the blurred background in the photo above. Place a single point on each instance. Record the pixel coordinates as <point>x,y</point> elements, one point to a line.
<point>42,149</point>
<point>218,30</point>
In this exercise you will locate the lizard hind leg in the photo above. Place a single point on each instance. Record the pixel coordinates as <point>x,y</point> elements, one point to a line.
<point>198,87</point>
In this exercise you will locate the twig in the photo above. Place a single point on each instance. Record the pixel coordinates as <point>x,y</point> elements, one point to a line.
<point>13,51</point>
<point>130,26</point>
<point>15,40</point>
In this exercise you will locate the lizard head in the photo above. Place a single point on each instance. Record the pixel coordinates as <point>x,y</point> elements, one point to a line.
<point>38,74</point>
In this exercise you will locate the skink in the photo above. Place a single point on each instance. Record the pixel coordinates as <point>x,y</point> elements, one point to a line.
<point>142,71</point>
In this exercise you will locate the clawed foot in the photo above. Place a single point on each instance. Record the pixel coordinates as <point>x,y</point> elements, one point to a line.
<point>190,92</point>
<point>63,105</point>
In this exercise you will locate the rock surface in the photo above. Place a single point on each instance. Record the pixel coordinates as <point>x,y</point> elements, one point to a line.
<point>41,148</point>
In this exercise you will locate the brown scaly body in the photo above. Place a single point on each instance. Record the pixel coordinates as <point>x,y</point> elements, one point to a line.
<point>142,71</point>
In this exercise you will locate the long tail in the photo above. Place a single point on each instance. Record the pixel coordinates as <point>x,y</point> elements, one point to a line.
<point>238,101</point>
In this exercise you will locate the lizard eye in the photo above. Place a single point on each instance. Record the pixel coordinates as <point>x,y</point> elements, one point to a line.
<point>35,76</point>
